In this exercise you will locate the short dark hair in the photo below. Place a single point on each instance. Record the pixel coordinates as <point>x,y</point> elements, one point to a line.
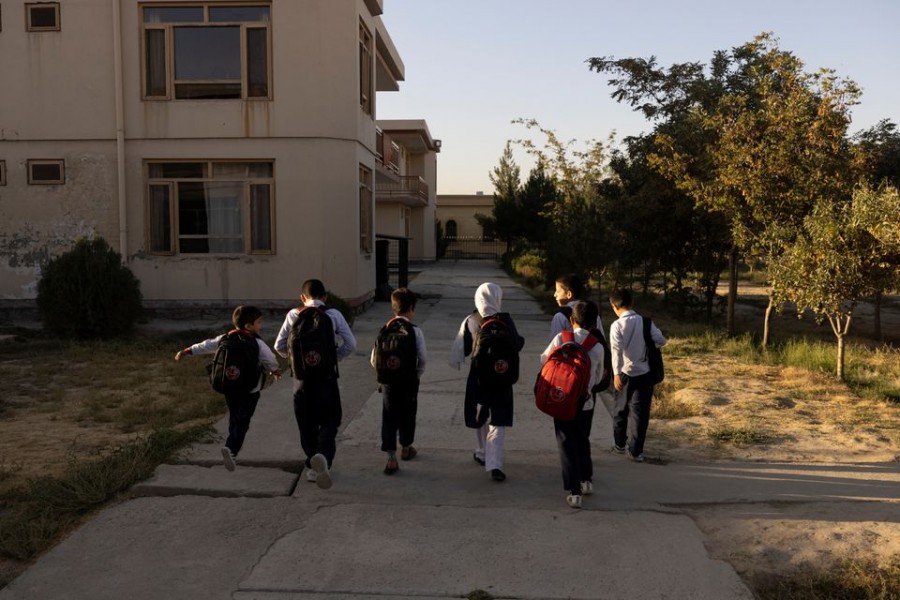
<point>585,314</point>
<point>245,315</point>
<point>403,300</point>
<point>621,298</point>
<point>572,283</point>
<point>313,288</point>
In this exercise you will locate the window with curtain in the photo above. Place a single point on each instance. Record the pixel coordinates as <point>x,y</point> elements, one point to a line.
<point>206,51</point>
<point>210,207</point>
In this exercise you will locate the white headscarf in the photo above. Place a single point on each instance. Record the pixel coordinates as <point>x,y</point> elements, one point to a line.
<point>488,299</point>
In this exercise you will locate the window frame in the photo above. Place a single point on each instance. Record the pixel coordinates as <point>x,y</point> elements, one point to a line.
<point>168,41</point>
<point>366,210</point>
<point>2,172</point>
<point>366,71</point>
<point>171,183</point>
<point>57,14</point>
<point>33,162</point>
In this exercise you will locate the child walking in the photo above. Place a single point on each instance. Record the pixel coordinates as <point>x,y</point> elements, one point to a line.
<point>633,382</point>
<point>491,339</point>
<point>247,320</point>
<point>399,358</point>
<point>572,437</point>
<point>315,338</point>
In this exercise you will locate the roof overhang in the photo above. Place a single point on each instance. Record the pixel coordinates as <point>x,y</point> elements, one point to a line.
<point>413,134</point>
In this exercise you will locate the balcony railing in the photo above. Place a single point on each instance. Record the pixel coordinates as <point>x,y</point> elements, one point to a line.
<point>410,189</point>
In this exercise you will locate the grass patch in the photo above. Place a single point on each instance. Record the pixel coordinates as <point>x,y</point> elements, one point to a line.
<point>860,579</point>
<point>666,406</point>
<point>736,435</point>
<point>38,513</point>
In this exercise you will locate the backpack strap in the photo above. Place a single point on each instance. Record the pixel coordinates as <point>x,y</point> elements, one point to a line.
<point>589,342</point>
<point>567,336</point>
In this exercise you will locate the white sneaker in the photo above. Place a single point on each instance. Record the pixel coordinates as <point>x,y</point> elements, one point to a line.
<point>320,467</point>
<point>587,488</point>
<point>311,475</point>
<point>228,458</point>
<point>574,500</point>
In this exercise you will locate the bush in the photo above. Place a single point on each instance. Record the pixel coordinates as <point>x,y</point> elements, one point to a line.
<point>335,301</point>
<point>529,266</point>
<point>87,292</point>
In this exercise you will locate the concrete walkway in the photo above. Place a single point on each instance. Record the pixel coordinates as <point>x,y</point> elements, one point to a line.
<point>440,528</point>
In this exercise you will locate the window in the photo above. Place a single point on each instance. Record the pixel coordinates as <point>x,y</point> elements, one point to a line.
<point>206,207</point>
<point>365,70</point>
<point>2,172</point>
<point>206,51</point>
<point>43,16</point>
<point>451,229</point>
<point>46,172</point>
<point>365,210</point>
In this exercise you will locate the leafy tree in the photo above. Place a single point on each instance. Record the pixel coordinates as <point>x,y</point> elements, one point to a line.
<point>536,200</point>
<point>88,293</point>
<point>844,252</point>
<point>578,239</point>
<point>757,139</point>
<point>503,222</point>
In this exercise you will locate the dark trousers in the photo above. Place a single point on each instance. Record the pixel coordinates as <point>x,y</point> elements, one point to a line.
<point>573,440</point>
<point>240,411</point>
<point>317,408</point>
<point>633,413</point>
<point>398,415</point>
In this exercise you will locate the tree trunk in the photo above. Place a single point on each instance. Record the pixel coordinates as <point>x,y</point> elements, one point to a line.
<point>840,356</point>
<point>732,290</point>
<point>766,322</point>
<point>878,333</point>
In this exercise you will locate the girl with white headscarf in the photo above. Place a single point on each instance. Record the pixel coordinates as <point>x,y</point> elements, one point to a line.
<point>488,406</point>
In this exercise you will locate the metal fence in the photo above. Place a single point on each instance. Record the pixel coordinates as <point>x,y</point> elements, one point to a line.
<point>462,247</point>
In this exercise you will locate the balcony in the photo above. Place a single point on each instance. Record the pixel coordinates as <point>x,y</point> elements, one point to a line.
<point>410,190</point>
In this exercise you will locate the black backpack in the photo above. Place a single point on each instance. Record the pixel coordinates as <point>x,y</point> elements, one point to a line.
<point>495,353</point>
<point>311,346</point>
<point>607,375</point>
<point>396,357</point>
<point>235,368</point>
<point>654,354</point>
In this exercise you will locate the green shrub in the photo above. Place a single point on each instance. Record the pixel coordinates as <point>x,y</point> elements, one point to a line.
<point>335,301</point>
<point>88,293</point>
<point>529,266</point>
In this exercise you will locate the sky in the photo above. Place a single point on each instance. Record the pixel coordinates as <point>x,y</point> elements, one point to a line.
<point>473,66</point>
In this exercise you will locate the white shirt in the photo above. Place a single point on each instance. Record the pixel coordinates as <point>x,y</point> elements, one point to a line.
<point>626,344</point>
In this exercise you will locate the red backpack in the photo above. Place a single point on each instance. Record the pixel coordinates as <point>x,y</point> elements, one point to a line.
<point>563,380</point>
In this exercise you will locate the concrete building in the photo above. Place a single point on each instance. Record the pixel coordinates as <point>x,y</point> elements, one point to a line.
<point>227,149</point>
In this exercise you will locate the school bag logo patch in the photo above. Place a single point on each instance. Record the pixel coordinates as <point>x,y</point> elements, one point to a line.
<point>235,368</point>
<point>396,356</point>
<point>495,356</point>
<point>312,350</point>
<point>563,381</point>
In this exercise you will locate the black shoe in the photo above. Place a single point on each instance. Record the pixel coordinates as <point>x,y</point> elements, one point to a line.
<point>498,475</point>
<point>480,461</point>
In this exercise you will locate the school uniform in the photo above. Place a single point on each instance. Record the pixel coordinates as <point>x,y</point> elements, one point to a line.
<point>629,360</point>
<point>560,321</point>
<point>488,410</point>
<point>400,400</point>
<point>241,407</point>
<point>573,437</point>
<point>317,404</point>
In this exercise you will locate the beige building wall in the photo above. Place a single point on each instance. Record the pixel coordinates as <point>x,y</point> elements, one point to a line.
<point>461,209</point>
<point>313,130</point>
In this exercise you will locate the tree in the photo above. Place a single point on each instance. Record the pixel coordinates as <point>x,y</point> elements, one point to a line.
<point>503,222</point>
<point>578,237</point>
<point>844,252</point>
<point>758,140</point>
